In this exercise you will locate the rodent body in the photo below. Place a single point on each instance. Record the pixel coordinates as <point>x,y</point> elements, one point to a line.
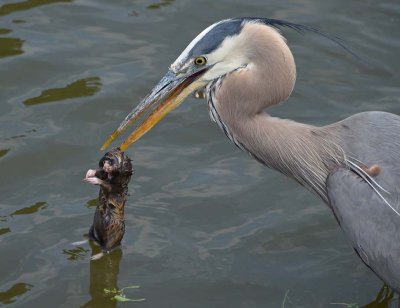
<point>113,175</point>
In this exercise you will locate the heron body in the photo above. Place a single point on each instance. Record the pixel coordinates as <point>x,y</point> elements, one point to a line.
<point>246,67</point>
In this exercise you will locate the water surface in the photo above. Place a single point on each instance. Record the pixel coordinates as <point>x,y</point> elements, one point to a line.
<point>206,225</point>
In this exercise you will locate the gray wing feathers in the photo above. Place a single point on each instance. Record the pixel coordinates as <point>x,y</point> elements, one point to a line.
<point>372,228</point>
<point>374,138</point>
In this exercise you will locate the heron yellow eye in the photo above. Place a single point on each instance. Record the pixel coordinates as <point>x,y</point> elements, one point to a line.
<point>200,61</point>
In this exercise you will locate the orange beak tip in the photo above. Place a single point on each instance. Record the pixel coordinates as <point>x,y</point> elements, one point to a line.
<point>105,145</point>
<point>123,146</point>
<point>110,139</point>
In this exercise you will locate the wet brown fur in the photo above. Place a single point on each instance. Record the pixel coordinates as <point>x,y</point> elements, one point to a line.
<point>108,223</point>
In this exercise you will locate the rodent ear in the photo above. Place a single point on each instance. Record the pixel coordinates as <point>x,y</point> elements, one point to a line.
<point>101,162</point>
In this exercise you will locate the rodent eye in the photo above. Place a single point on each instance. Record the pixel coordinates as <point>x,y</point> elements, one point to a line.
<point>200,61</point>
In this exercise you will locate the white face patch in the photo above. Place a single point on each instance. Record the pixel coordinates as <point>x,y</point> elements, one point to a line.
<point>227,58</point>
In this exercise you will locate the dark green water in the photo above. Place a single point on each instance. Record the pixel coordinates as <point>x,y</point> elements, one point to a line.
<point>206,225</point>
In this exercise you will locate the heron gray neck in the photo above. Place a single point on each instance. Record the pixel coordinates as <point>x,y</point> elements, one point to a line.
<point>303,152</point>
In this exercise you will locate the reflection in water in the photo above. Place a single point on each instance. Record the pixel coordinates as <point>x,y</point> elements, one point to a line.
<point>92,203</point>
<point>10,46</point>
<point>4,31</point>
<point>80,88</point>
<point>30,209</point>
<point>4,230</point>
<point>383,299</point>
<point>103,275</point>
<point>4,152</point>
<point>17,137</point>
<point>19,21</point>
<point>24,211</point>
<point>17,289</point>
<point>160,4</point>
<point>77,253</point>
<point>9,8</point>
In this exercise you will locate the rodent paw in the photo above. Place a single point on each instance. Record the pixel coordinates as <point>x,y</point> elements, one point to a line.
<point>90,173</point>
<point>93,180</point>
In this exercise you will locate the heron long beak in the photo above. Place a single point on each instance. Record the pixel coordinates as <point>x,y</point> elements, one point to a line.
<point>171,91</point>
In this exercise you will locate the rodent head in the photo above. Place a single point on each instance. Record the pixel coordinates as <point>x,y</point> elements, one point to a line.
<point>116,161</point>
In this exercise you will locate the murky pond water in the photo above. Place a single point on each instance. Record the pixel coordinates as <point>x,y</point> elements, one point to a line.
<point>206,225</point>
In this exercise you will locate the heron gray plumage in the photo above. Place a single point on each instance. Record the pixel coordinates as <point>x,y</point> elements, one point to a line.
<point>246,67</point>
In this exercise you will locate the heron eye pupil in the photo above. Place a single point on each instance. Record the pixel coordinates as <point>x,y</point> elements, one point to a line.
<point>200,61</point>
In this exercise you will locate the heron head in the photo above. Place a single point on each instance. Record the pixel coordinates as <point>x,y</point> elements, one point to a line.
<point>213,53</point>
<point>221,48</point>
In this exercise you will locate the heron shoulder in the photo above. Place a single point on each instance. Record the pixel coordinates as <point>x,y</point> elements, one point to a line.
<point>372,228</point>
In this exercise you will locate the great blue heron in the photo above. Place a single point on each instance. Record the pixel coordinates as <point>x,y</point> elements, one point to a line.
<point>353,165</point>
